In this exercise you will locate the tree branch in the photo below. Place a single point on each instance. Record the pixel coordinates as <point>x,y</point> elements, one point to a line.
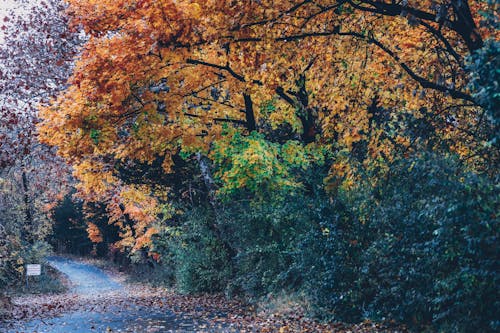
<point>223,68</point>
<point>224,120</point>
<point>424,83</point>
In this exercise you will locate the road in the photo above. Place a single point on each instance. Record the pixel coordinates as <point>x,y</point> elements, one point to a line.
<point>86,279</point>
<point>98,303</point>
<point>102,302</point>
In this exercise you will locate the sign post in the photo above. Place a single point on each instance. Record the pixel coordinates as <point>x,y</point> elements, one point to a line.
<point>33,270</point>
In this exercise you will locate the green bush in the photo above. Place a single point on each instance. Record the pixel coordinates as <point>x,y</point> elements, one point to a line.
<point>483,66</point>
<point>201,260</point>
<point>14,256</point>
<point>10,258</point>
<point>435,254</point>
<point>265,236</point>
<point>265,231</point>
<point>330,258</point>
<point>420,247</point>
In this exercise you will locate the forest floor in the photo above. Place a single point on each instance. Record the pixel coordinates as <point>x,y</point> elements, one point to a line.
<point>102,301</point>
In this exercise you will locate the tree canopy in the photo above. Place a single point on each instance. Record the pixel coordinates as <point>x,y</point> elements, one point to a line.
<point>364,80</point>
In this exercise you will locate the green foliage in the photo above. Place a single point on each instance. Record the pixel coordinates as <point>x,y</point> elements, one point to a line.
<point>9,258</point>
<point>300,243</point>
<point>95,135</point>
<point>14,256</point>
<point>36,252</point>
<point>202,263</point>
<point>264,225</point>
<point>330,256</point>
<point>484,68</point>
<point>50,282</point>
<point>265,235</point>
<point>420,247</point>
<point>435,248</point>
<point>250,163</point>
<point>258,166</point>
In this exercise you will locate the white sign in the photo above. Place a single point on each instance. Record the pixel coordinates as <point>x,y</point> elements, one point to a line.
<point>32,270</point>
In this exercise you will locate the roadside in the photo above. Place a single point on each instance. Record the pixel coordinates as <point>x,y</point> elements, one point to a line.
<point>52,281</point>
<point>99,302</point>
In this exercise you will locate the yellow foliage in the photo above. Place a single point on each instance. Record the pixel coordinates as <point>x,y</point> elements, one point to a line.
<point>161,77</point>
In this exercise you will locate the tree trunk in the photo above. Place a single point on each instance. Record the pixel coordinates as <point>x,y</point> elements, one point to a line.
<point>465,25</point>
<point>28,223</point>
<point>249,115</point>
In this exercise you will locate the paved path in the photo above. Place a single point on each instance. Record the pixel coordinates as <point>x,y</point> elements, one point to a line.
<point>104,305</point>
<point>85,279</point>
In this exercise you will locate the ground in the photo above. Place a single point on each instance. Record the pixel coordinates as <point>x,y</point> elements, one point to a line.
<point>99,301</point>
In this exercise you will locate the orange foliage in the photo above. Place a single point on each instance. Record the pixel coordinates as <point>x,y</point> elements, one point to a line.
<point>157,77</point>
<point>94,233</point>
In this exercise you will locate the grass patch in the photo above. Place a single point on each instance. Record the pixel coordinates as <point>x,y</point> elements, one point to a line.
<point>283,303</point>
<point>50,282</point>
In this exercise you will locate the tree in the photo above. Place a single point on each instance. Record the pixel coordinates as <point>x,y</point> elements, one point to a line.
<point>158,79</point>
<point>36,57</point>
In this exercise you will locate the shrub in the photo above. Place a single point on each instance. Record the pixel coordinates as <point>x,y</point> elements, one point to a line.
<point>202,263</point>
<point>14,256</point>
<point>265,235</point>
<point>419,247</point>
<point>484,83</point>
<point>330,258</point>
<point>435,250</point>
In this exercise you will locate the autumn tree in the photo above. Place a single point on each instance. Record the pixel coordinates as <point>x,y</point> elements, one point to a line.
<point>36,56</point>
<point>364,80</point>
